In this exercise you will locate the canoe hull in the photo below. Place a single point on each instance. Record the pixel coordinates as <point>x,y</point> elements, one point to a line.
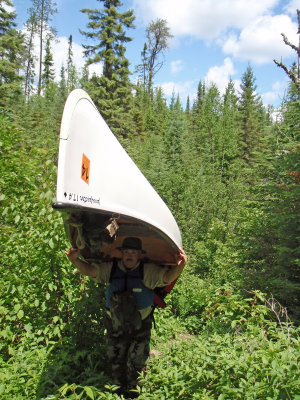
<point>102,193</point>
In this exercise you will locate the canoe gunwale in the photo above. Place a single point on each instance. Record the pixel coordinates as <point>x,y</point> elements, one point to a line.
<point>67,207</point>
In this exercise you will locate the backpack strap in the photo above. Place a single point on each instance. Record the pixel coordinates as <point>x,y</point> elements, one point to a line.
<point>141,270</point>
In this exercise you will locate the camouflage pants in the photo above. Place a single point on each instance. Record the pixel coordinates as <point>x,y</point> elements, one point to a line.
<point>127,354</point>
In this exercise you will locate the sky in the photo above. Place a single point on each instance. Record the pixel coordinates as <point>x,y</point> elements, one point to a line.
<point>213,41</point>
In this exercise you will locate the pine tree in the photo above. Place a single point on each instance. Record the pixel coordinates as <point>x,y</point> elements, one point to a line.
<point>158,34</point>
<point>112,91</point>
<point>11,54</point>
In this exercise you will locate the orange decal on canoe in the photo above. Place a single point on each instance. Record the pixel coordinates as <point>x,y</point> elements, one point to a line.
<point>85,169</point>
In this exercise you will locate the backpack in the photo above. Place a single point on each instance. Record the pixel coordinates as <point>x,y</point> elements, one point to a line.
<point>125,316</point>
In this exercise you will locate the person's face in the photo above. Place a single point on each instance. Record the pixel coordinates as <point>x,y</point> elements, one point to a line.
<point>130,257</point>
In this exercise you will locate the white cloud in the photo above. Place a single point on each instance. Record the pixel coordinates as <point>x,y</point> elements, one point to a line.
<point>203,19</point>
<point>220,75</point>
<point>176,66</point>
<point>261,41</point>
<point>275,95</point>
<point>60,55</point>
<point>183,89</point>
<point>246,30</point>
<point>59,49</point>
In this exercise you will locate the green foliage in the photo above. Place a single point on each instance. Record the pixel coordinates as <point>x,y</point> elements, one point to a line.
<point>266,238</point>
<point>243,351</point>
<point>219,337</point>
<point>228,366</point>
<point>30,265</point>
<point>43,305</point>
<point>11,51</point>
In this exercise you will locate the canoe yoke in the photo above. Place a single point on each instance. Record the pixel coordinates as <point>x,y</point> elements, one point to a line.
<point>99,236</point>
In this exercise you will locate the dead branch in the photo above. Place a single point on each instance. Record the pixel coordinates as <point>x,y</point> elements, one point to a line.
<point>288,43</point>
<point>289,72</point>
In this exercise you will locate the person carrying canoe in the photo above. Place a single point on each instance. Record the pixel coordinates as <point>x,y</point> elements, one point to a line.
<point>129,301</point>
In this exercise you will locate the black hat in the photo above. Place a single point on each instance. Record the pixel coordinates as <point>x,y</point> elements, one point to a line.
<point>133,243</point>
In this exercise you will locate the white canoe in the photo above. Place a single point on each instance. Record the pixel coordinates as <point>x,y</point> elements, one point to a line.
<point>98,183</point>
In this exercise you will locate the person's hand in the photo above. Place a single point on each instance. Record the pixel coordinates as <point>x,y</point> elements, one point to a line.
<point>173,273</point>
<point>181,258</point>
<point>72,254</point>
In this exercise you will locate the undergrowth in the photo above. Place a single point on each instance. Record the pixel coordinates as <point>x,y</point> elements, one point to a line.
<point>257,358</point>
<point>211,342</point>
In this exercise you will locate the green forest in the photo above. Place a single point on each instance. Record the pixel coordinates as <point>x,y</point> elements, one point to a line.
<point>228,171</point>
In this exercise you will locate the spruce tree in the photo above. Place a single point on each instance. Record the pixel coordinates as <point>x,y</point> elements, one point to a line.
<point>197,106</point>
<point>230,132</point>
<point>188,107</point>
<point>284,193</point>
<point>11,54</point>
<point>175,132</point>
<point>270,237</point>
<point>141,69</point>
<point>138,110</point>
<point>72,78</point>
<point>48,70</point>
<point>196,110</point>
<point>286,205</point>
<point>251,117</point>
<point>84,79</point>
<point>63,90</point>
<point>112,90</point>
<point>210,133</point>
